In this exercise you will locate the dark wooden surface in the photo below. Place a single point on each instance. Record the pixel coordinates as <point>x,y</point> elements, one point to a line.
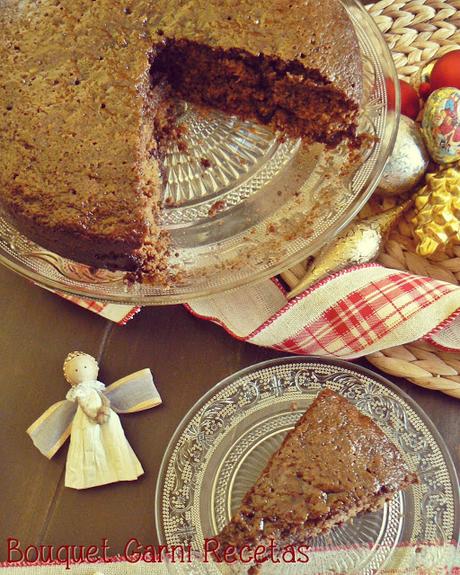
<point>187,357</point>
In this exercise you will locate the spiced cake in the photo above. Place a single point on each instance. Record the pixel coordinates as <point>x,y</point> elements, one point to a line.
<point>84,97</point>
<point>334,464</point>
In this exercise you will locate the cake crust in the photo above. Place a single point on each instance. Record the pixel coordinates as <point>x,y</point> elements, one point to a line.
<point>334,464</point>
<point>75,128</point>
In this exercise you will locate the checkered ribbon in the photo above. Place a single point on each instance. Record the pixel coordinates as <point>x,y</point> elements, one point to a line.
<point>117,313</point>
<point>350,314</point>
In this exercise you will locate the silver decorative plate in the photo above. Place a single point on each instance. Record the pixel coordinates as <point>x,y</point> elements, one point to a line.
<point>241,203</point>
<point>225,440</point>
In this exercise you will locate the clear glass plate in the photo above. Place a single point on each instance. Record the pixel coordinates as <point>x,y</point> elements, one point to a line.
<point>225,440</point>
<point>241,203</point>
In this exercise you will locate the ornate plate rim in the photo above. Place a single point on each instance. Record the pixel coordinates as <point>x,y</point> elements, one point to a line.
<point>297,359</point>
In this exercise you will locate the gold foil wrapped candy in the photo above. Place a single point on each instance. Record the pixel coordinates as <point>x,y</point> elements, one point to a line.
<point>360,243</point>
<point>437,219</point>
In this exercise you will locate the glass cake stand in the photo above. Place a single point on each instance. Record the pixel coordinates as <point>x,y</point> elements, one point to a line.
<point>241,203</point>
<point>226,439</point>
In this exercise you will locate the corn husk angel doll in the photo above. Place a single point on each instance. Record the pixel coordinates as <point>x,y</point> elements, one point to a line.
<point>99,452</point>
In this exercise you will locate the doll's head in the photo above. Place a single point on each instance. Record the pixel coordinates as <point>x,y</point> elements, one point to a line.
<point>80,367</point>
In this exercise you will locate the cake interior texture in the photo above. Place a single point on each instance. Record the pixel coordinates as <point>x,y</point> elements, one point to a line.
<point>286,96</point>
<point>334,464</point>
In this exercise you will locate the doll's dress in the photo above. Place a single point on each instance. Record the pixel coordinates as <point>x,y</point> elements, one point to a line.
<point>98,453</point>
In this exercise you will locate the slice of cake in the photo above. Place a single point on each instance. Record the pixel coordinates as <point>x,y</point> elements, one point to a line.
<point>82,95</point>
<point>334,464</point>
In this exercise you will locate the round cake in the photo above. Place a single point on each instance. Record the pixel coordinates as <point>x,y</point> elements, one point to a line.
<point>85,96</point>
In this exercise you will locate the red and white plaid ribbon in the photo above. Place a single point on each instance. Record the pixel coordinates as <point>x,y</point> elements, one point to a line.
<point>117,313</point>
<point>349,314</point>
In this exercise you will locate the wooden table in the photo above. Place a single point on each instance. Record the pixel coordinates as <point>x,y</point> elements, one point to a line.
<point>187,357</point>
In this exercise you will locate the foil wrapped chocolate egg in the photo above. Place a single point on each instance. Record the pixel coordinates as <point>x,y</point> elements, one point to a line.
<point>408,163</point>
<point>423,75</point>
<point>441,125</point>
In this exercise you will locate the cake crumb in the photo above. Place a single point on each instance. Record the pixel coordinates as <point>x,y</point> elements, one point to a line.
<point>216,208</point>
<point>205,163</point>
<point>182,146</point>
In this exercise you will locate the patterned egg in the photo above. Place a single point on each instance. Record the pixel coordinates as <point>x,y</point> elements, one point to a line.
<point>441,125</point>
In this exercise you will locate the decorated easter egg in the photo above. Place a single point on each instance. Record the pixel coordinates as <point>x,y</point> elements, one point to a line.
<point>441,125</point>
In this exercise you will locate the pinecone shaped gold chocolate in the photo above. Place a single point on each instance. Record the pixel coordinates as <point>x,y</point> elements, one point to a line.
<point>437,205</point>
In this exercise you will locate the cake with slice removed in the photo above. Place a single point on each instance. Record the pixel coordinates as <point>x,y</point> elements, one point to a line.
<point>82,105</point>
<point>334,464</point>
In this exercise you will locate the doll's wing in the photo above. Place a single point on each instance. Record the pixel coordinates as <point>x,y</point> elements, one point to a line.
<point>132,393</point>
<point>51,429</point>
